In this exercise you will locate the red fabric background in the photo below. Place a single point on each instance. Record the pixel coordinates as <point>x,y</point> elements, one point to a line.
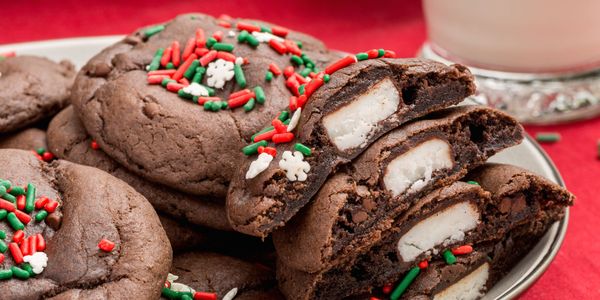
<point>351,26</point>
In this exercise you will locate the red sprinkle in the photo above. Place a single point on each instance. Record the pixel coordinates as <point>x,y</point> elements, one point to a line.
<point>205,296</point>
<point>18,236</point>
<point>179,73</point>
<point>161,72</point>
<point>247,27</point>
<point>224,24</point>
<point>1,258</point>
<point>206,59</point>
<point>190,45</point>
<point>389,53</point>
<point>184,81</point>
<point>292,47</point>
<point>23,217</point>
<point>174,87</point>
<point>373,53</point>
<point>21,202</point>
<point>156,79</point>
<point>201,51</point>
<point>218,35</point>
<point>265,136</point>
<point>283,138</point>
<point>466,249</point>
<point>95,145</point>
<point>288,71</point>
<point>423,264</point>
<point>301,101</point>
<point>47,156</point>
<point>166,57</point>
<point>277,46</point>
<point>374,298</point>
<point>239,93</point>
<point>202,100</point>
<point>342,63</point>
<point>51,206</point>
<point>40,202</point>
<point>293,103</point>
<point>25,247</point>
<point>32,245</point>
<point>176,56</point>
<point>200,38</point>
<point>275,69</point>
<point>301,80</point>
<point>40,243</point>
<point>106,245</point>
<point>225,17</point>
<point>240,100</point>
<point>269,150</point>
<point>279,31</point>
<point>387,288</point>
<point>16,253</point>
<point>226,56</point>
<point>312,86</point>
<point>279,126</point>
<point>37,155</point>
<point>9,206</point>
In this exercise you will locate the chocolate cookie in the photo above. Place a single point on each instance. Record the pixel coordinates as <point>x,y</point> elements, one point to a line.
<point>342,117</point>
<point>26,139</point>
<point>32,89</point>
<point>68,140</point>
<point>357,204</point>
<point>216,276</point>
<point>76,232</point>
<point>161,133</point>
<point>434,228</point>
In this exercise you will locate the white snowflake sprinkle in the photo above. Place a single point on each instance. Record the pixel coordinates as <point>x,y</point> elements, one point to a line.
<point>259,165</point>
<point>196,89</point>
<point>294,166</point>
<point>295,119</point>
<point>38,261</point>
<point>265,37</point>
<point>180,287</point>
<point>231,294</point>
<point>231,33</point>
<point>172,277</point>
<point>218,73</point>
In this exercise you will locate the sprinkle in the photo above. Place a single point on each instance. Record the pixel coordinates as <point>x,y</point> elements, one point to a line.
<point>269,76</point>
<point>2,234</point>
<point>19,273</point>
<point>1,258</point>
<point>249,105</point>
<point>268,150</point>
<point>21,199</point>
<point>226,56</point>
<point>342,63</point>
<point>247,27</point>
<point>259,165</point>
<point>297,60</point>
<point>423,264</point>
<point>40,244</point>
<point>292,47</point>
<point>313,85</point>
<point>326,78</point>
<point>222,47</point>
<point>278,125</point>
<point>219,72</point>
<point>166,57</point>
<point>231,294</point>
<point>155,64</point>
<point>41,215</point>
<point>389,53</point>
<point>288,71</point>
<point>239,76</point>
<point>30,198</point>
<point>210,42</point>
<point>168,293</point>
<point>279,31</point>
<point>16,253</point>
<point>295,167</point>
<point>18,236</point>
<point>188,50</point>
<point>284,115</point>
<point>3,246</point>
<point>240,100</point>
<point>260,94</point>
<point>224,24</point>
<point>387,288</point>
<point>295,119</point>
<point>38,261</point>
<point>362,56</point>
<point>183,67</point>
<point>462,250</point>
<point>253,148</point>
<point>277,46</point>
<point>17,190</point>
<point>242,36</point>
<point>205,296</point>
<point>51,206</point>
<point>106,245</point>
<point>153,30</point>
<point>261,132</point>
<point>3,214</point>
<point>303,149</point>
<point>191,70</point>
<point>473,182</point>
<point>14,222</point>
<point>200,38</point>
<point>280,138</point>
<point>406,281</point>
<point>547,137</point>
<point>23,217</point>
<point>449,257</point>
<point>6,274</point>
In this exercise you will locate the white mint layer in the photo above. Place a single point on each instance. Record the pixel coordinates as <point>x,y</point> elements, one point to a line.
<point>352,125</point>
<point>413,169</point>
<point>469,287</point>
<point>442,228</point>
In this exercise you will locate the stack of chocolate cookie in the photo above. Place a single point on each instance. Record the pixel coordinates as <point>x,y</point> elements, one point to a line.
<point>368,178</point>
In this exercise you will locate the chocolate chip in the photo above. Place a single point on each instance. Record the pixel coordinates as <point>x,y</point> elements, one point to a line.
<point>359,216</point>
<point>99,69</point>
<point>54,220</point>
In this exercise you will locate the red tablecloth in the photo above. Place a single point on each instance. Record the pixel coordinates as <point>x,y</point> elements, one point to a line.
<point>351,26</point>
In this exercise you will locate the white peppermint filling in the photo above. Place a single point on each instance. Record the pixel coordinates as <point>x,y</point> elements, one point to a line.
<point>413,169</point>
<point>469,287</point>
<point>352,125</point>
<point>259,165</point>
<point>442,228</point>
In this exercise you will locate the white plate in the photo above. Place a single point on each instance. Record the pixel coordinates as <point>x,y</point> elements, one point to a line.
<point>528,155</point>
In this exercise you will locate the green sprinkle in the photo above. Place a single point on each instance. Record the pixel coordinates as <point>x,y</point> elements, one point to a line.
<point>253,148</point>
<point>239,76</point>
<point>9,197</point>
<point>191,70</point>
<point>208,105</point>
<point>155,64</point>
<point>224,105</point>
<point>5,274</point>
<point>153,30</point>
<point>284,115</point>
<point>249,105</point>
<point>186,297</point>
<point>301,89</point>
<point>17,191</point>
<point>309,63</point>
<point>181,93</point>
<point>297,60</point>
<point>170,66</point>
<point>215,106</point>
<point>210,42</point>
<point>166,81</point>
<point>299,43</point>
<point>6,184</point>
<point>199,74</point>
<point>305,72</point>
<point>473,182</point>
<point>223,47</point>
<point>260,94</point>
<point>27,267</point>
<point>3,246</point>
<point>362,56</point>
<point>30,198</point>
<point>547,137</point>
<point>41,150</point>
<point>14,222</point>
<point>287,122</point>
<point>242,36</point>
<point>211,91</point>
<point>19,273</point>
<point>269,76</point>
<point>326,78</point>
<point>380,52</point>
<point>406,281</point>
<point>261,132</point>
<point>449,257</point>
<point>265,29</point>
<point>252,41</point>
<point>2,234</point>
<point>3,214</point>
<point>303,149</point>
<point>41,215</point>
